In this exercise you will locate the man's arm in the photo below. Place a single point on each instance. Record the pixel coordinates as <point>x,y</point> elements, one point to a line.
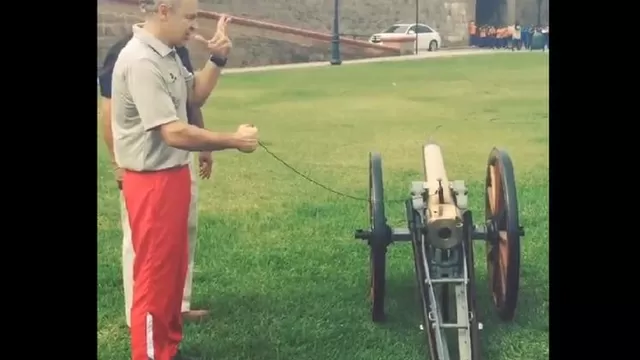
<point>107,136</point>
<point>194,114</point>
<point>198,94</point>
<point>204,81</point>
<point>105,109</point>
<point>157,111</point>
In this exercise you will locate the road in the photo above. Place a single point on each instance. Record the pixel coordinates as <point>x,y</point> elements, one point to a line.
<point>425,55</point>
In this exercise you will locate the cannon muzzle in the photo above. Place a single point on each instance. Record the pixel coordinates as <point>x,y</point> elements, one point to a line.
<point>444,220</point>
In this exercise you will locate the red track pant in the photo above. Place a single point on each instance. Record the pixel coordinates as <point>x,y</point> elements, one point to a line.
<point>158,207</point>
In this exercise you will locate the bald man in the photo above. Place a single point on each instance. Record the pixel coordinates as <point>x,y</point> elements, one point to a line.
<point>194,116</point>
<point>152,141</point>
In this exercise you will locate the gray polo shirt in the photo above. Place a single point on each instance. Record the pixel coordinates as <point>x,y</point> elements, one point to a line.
<point>150,88</point>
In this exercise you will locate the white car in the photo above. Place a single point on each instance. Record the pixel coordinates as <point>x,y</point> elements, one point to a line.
<point>428,37</point>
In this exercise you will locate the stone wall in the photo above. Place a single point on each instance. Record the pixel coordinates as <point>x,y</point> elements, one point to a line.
<point>251,46</point>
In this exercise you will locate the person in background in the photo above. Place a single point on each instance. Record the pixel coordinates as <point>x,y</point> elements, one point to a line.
<point>545,32</point>
<point>487,41</point>
<point>472,34</point>
<point>506,37</point>
<point>516,37</point>
<point>532,32</point>
<point>526,36</point>
<point>499,37</point>
<point>483,37</point>
<point>491,34</point>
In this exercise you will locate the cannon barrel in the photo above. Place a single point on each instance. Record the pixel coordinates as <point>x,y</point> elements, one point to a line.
<point>444,219</point>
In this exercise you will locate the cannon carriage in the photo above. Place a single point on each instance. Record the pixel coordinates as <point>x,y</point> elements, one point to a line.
<point>441,230</point>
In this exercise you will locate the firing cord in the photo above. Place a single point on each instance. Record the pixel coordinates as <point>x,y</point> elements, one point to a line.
<point>314,181</point>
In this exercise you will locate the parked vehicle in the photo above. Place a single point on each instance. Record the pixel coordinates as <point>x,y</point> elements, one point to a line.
<point>428,37</point>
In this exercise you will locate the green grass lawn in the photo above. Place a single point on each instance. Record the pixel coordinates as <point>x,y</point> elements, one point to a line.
<point>276,260</point>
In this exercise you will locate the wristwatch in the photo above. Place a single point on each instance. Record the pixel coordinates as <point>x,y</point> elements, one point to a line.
<point>218,60</point>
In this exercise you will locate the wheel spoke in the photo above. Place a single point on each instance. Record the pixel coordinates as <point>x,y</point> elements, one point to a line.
<point>503,260</point>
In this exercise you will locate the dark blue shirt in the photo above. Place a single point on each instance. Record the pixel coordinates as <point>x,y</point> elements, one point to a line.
<point>106,72</point>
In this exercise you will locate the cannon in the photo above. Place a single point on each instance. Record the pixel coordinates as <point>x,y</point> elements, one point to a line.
<point>441,230</point>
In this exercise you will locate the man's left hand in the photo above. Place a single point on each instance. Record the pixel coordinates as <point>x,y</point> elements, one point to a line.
<point>205,162</point>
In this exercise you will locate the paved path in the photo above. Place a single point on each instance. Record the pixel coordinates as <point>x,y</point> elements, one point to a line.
<point>425,55</point>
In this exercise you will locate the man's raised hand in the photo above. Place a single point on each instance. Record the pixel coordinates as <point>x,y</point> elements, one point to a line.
<point>221,27</point>
<point>219,44</point>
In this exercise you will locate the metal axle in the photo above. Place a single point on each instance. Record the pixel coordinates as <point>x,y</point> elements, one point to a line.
<point>404,234</point>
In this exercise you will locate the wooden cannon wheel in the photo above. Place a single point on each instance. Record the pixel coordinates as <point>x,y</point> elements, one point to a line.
<point>503,234</point>
<point>381,236</point>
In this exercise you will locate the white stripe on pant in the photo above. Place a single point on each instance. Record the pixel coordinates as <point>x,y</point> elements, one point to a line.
<point>128,255</point>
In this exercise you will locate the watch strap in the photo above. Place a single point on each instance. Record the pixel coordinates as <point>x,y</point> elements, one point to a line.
<point>218,60</point>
